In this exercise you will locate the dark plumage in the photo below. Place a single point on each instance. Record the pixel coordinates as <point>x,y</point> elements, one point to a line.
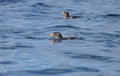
<point>58,36</point>
<point>67,16</point>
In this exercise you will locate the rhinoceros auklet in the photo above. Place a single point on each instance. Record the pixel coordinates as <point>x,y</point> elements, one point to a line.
<point>67,16</point>
<point>58,36</point>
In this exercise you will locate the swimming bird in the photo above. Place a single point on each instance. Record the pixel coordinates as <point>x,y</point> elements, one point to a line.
<point>67,16</point>
<point>58,36</point>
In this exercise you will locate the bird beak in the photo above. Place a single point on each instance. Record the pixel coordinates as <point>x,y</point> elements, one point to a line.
<point>51,34</point>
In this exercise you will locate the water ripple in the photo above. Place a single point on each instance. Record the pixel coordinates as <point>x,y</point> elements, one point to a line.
<point>113,15</point>
<point>114,61</point>
<point>110,17</point>
<point>23,46</point>
<point>34,38</point>
<point>90,56</point>
<point>62,26</point>
<point>41,5</point>
<point>50,71</point>
<point>110,40</point>
<point>86,69</point>
<point>7,62</point>
<point>6,2</point>
<point>117,70</point>
<point>31,15</point>
<point>106,50</point>
<point>14,46</point>
<point>7,47</point>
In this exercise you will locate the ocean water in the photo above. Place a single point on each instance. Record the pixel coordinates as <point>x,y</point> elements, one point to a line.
<point>25,48</point>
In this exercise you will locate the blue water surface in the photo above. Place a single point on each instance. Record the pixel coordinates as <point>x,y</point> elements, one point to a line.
<point>25,48</point>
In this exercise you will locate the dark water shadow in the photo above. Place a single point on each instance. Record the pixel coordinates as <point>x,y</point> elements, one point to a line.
<point>107,17</point>
<point>41,10</point>
<point>77,1</point>
<point>2,74</point>
<point>50,71</point>
<point>109,39</point>
<point>90,56</point>
<point>1,20</point>
<point>113,15</point>
<point>86,69</point>
<point>68,53</point>
<point>15,46</point>
<point>23,46</point>
<point>34,38</point>
<point>117,70</point>
<point>41,5</point>
<point>62,26</point>
<point>110,45</point>
<point>7,47</point>
<point>90,34</point>
<point>27,34</point>
<point>6,2</point>
<point>117,32</point>
<point>106,50</point>
<point>7,62</point>
<point>112,61</point>
<point>10,1</point>
<point>31,15</point>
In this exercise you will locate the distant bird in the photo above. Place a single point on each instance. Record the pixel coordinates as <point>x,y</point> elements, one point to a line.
<point>58,36</point>
<point>67,16</point>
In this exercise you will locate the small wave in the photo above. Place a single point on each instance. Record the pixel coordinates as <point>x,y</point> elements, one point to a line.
<point>113,15</point>
<point>10,1</point>
<point>106,50</point>
<point>107,38</point>
<point>110,39</point>
<point>61,26</point>
<point>31,15</point>
<point>6,62</point>
<point>7,47</point>
<point>23,46</point>
<point>86,69</point>
<point>90,34</point>
<point>118,32</point>
<point>34,38</point>
<point>90,56</point>
<point>110,45</point>
<point>67,53</point>
<point>1,20</point>
<point>110,17</point>
<point>41,4</point>
<point>15,46</point>
<point>117,70</point>
<point>113,61</point>
<point>107,35</point>
<point>5,2</point>
<point>50,71</point>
